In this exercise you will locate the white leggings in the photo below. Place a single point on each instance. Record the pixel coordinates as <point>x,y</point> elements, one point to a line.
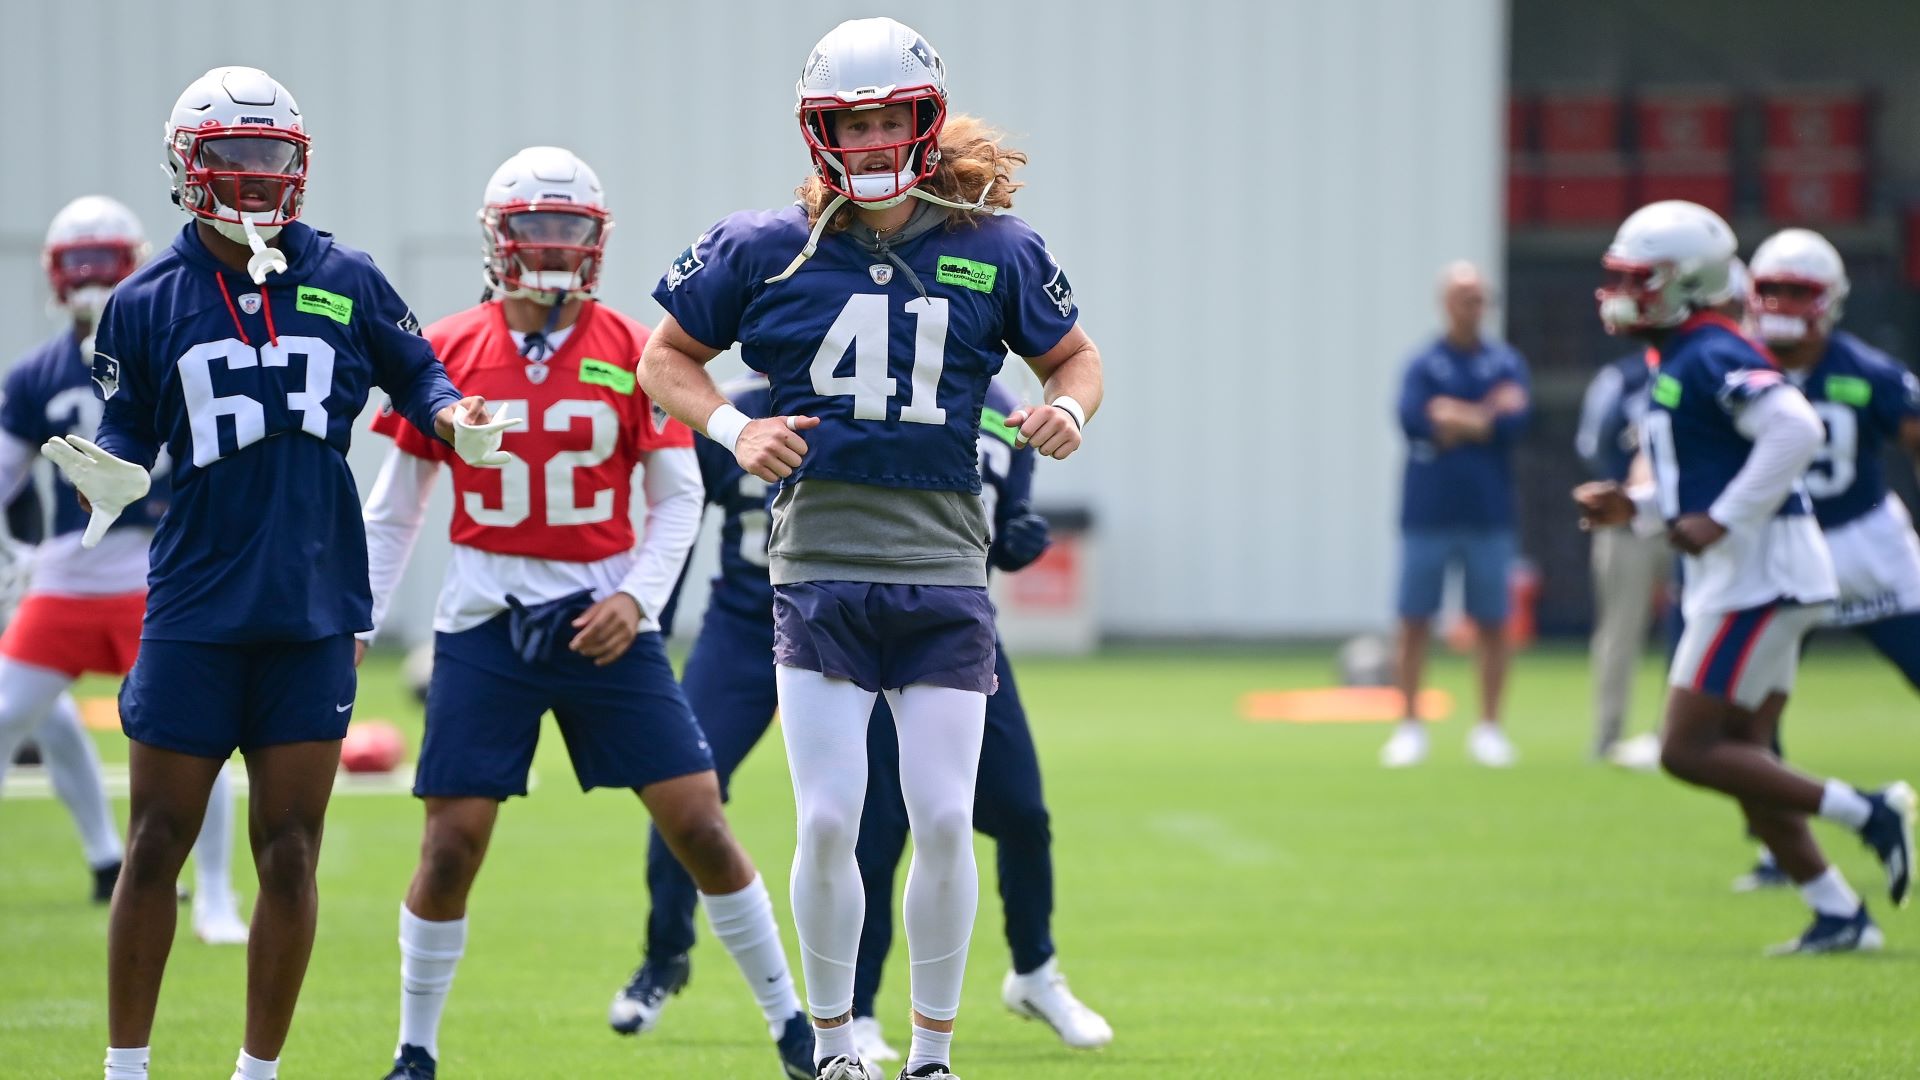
<point>824,722</point>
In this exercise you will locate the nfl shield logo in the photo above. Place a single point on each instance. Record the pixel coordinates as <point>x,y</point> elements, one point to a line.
<point>250,303</point>
<point>536,373</point>
<point>881,272</point>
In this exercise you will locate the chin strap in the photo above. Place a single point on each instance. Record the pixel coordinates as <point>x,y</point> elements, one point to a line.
<point>265,260</point>
<point>819,227</point>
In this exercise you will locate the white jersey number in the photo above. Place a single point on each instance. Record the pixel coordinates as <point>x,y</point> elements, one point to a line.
<point>205,408</point>
<point>862,326</point>
<point>1835,466</point>
<point>77,408</point>
<point>1656,430</point>
<point>516,495</point>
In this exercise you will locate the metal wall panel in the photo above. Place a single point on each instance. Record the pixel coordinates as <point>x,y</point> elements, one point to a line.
<point>1252,199</point>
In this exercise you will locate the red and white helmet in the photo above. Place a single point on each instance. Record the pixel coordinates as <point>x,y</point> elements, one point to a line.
<point>92,245</point>
<point>1799,287</point>
<point>237,127</point>
<point>544,226</point>
<point>866,64</point>
<point>1668,260</point>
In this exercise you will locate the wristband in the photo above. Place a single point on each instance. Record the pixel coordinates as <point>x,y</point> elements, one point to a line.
<point>724,425</point>
<point>1072,408</point>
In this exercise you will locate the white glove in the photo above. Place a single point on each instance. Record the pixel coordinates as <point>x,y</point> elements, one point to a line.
<point>108,483</point>
<point>479,444</point>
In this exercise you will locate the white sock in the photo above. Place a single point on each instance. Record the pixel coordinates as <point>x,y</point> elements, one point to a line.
<point>940,733</point>
<point>824,723</point>
<point>1841,803</point>
<point>27,695</point>
<point>832,1042</point>
<point>743,923</point>
<point>929,1046</point>
<point>213,848</point>
<point>126,1063</point>
<point>1829,894</point>
<point>429,953</point>
<point>253,1068</point>
<point>74,766</point>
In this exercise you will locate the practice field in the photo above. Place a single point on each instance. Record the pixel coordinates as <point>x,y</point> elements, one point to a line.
<point>1240,900</point>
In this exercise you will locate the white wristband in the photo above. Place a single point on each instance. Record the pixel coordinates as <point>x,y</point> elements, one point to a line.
<point>1072,408</point>
<point>724,425</point>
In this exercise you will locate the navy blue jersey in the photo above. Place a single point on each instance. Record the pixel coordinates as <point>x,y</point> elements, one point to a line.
<point>1469,485</point>
<point>1863,396</point>
<point>253,391</point>
<point>1709,372</point>
<point>742,586</point>
<point>897,378</point>
<point>1610,412</point>
<point>50,393</point>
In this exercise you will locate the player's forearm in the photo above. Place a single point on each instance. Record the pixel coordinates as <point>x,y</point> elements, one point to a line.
<point>16,465</point>
<point>1786,435</point>
<point>675,499</point>
<point>1078,377</point>
<point>121,435</point>
<point>679,383</point>
<point>396,508</point>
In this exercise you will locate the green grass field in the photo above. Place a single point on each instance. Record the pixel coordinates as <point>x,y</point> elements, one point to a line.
<point>1240,900</point>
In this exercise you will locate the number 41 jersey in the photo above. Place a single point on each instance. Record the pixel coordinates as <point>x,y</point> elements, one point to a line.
<point>254,390</point>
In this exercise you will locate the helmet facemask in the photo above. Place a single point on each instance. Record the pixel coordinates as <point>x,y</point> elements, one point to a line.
<point>1639,297</point>
<point>1786,310</point>
<point>84,273</point>
<point>828,123</point>
<point>233,177</point>
<point>546,251</point>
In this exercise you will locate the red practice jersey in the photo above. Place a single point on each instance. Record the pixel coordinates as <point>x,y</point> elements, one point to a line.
<point>587,425</point>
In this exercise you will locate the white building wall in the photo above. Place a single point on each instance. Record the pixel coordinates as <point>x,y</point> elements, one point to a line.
<point>1251,198</point>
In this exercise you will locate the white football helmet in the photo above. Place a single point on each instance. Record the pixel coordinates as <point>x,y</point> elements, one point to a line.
<point>867,64</point>
<point>544,226</point>
<point>1799,287</point>
<point>92,245</point>
<point>237,128</point>
<point>1668,260</point>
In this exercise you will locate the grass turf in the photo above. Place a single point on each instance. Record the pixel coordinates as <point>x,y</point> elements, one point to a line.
<point>1239,899</point>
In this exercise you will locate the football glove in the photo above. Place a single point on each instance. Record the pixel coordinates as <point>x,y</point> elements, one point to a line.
<point>479,444</point>
<point>109,483</point>
<point>1021,540</point>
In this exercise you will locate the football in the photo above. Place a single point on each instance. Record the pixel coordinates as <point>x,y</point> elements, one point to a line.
<point>372,746</point>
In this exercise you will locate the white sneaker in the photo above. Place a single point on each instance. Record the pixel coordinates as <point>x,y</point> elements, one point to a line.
<point>850,1068</point>
<point>1407,747</point>
<point>1640,753</point>
<point>1488,745</point>
<point>217,921</point>
<point>1042,994</point>
<point>868,1043</point>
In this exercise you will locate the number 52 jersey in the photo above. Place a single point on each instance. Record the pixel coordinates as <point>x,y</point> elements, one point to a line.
<point>253,390</point>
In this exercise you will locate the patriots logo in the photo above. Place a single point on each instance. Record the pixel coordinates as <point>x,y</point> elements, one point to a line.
<point>1060,291</point>
<point>687,265</point>
<point>924,53</point>
<point>1748,385</point>
<point>408,324</point>
<point>106,375</point>
<point>660,418</point>
<point>249,303</point>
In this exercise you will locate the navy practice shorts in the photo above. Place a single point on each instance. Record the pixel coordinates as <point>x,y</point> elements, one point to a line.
<point>209,699</point>
<point>883,637</point>
<point>625,725</point>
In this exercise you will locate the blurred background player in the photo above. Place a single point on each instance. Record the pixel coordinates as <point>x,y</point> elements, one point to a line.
<point>549,603</point>
<point>729,681</point>
<point>1729,438</point>
<point>246,350</point>
<point>1463,404</point>
<point>83,607</point>
<point>1866,400</point>
<point>878,542</point>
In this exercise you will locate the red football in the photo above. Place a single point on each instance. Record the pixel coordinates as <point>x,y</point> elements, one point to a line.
<point>372,746</point>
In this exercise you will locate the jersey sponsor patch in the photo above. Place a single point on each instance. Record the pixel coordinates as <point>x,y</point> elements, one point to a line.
<point>687,265</point>
<point>106,374</point>
<point>978,276</point>
<point>612,376</point>
<point>1849,390</point>
<point>316,301</point>
<point>1666,391</point>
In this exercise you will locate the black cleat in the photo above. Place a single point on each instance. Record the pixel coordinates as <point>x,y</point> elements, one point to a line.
<point>104,879</point>
<point>637,1007</point>
<point>932,1069</point>
<point>1889,832</point>
<point>1835,933</point>
<point>414,1063</point>
<point>796,1047</point>
<point>1766,874</point>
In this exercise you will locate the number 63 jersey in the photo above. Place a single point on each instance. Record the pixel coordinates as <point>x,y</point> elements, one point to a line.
<point>253,391</point>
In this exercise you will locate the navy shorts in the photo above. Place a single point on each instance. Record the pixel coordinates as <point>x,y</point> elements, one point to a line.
<point>209,699</point>
<point>883,637</point>
<point>1485,556</point>
<point>625,725</point>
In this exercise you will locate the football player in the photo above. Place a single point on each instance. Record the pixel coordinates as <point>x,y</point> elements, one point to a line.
<point>82,607</point>
<point>549,603</point>
<point>246,350</point>
<point>879,306</point>
<point>729,680</point>
<point>1728,439</point>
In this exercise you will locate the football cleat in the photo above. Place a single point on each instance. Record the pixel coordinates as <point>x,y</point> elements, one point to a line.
<point>412,1063</point>
<point>1889,832</point>
<point>1766,874</point>
<point>1042,995</point>
<point>932,1070</point>
<point>104,879</point>
<point>869,1043</point>
<point>1407,747</point>
<point>218,922</point>
<point>1488,745</point>
<point>1640,753</point>
<point>637,1007</point>
<point>796,1047</point>
<point>1834,933</point>
<point>848,1068</point>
